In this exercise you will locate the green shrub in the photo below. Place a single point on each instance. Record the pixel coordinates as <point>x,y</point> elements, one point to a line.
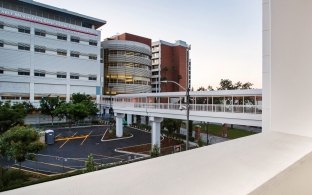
<point>12,177</point>
<point>155,152</point>
<point>90,164</point>
<point>200,142</point>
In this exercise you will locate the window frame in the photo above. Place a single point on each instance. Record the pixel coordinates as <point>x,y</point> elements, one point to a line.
<point>23,29</point>
<point>62,37</point>
<point>74,54</point>
<point>40,49</point>
<point>39,74</point>
<point>91,57</point>
<point>24,47</point>
<point>74,39</point>
<point>23,72</point>
<point>61,75</point>
<point>74,76</point>
<point>61,52</point>
<point>93,42</point>
<point>41,33</point>
<point>92,78</point>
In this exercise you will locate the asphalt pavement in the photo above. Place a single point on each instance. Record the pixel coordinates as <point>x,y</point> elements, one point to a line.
<point>71,154</point>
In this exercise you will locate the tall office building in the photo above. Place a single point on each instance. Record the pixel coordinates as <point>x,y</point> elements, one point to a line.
<point>127,64</point>
<point>170,61</point>
<point>46,50</point>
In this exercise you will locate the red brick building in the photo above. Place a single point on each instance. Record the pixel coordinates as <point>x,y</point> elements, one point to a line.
<point>132,37</point>
<point>170,62</point>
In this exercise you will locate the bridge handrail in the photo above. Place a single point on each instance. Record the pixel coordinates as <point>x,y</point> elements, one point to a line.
<point>248,109</point>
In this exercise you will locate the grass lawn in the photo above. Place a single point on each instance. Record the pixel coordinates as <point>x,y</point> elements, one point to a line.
<point>232,133</point>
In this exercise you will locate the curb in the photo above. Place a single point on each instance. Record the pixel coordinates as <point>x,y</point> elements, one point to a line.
<point>115,138</point>
<point>133,153</point>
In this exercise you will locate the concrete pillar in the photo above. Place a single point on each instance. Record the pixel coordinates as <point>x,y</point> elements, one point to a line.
<point>119,125</point>
<point>129,119</point>
<point>287,46</point>
<point>155,122</point>
<point>143,120</point>
<point>135,119</point>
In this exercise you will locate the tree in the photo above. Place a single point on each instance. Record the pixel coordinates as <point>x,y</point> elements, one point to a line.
<point>247,85</point>
<point>90,164</point>
<point>29,108</point>
<point>11,116</point>
<point>81,107</point>
<point>87,101</point>
<point>210,88</point>
<point>201,88</point>
<point>72,112</point>
<point>173,125</point>
<point>49,104</point>
<point>18,141</point>
<point>227,84</point>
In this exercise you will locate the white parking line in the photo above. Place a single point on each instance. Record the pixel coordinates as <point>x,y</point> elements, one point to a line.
<point>67,140</point>
<point>85,138</point>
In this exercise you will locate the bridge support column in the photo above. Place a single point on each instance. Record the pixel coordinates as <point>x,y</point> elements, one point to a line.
<point>129,119</point>
<point>143,120</point>
<point>155,122</point>
<point>119,125</point>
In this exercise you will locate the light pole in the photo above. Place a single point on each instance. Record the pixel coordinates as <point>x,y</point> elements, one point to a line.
<point>110,107</point>
<point>187,110</point>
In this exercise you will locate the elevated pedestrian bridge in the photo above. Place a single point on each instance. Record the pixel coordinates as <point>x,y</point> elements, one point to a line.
<point>242,107</point>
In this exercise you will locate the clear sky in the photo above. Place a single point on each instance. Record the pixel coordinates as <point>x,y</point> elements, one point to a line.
<point>226,35</point>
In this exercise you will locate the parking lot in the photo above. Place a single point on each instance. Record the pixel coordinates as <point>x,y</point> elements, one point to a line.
<point>73,146</point>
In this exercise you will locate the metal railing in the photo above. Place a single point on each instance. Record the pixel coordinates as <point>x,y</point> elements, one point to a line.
<point>248,109</point>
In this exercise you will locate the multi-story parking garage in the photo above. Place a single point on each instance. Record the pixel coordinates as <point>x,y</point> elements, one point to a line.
<point>46,50</point>
<point>127,64</point>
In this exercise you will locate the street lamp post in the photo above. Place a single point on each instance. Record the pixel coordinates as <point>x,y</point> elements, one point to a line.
<point>187,110</point>
<point>110,107</point>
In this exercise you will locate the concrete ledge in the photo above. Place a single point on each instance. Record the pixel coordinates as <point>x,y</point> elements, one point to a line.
<point>235,167</point>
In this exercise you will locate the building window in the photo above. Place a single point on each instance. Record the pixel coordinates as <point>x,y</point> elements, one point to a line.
<point>40,49</point>
<point>92,57</point>
<point>1,71</point>
<point>1,44</point>
<point>74,77</point>
<point>39,74</point>
<point>92,78</point>
<point>62,37</point>
<point>24,72</point>
<point>1,26</point>
<point>75,39</point>
<point>24,29</point>
<point>93,42</point>
<point>74,54</point>
<point>62,52</point>
<point>23,47</point>
<point>40,32</point>
<point>61,75</point>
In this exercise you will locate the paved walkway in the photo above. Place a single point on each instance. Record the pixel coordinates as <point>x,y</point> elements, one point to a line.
<point>212,138</point>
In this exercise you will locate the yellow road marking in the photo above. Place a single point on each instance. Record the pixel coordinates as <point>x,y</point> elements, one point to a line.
<point>71,138</point>
<point>86,138</point>
<point>67,140</point>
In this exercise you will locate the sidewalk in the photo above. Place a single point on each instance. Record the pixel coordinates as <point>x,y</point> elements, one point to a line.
<point>212,138</point>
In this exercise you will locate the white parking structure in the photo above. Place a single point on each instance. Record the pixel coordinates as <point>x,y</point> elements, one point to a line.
<point>46,50</point>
